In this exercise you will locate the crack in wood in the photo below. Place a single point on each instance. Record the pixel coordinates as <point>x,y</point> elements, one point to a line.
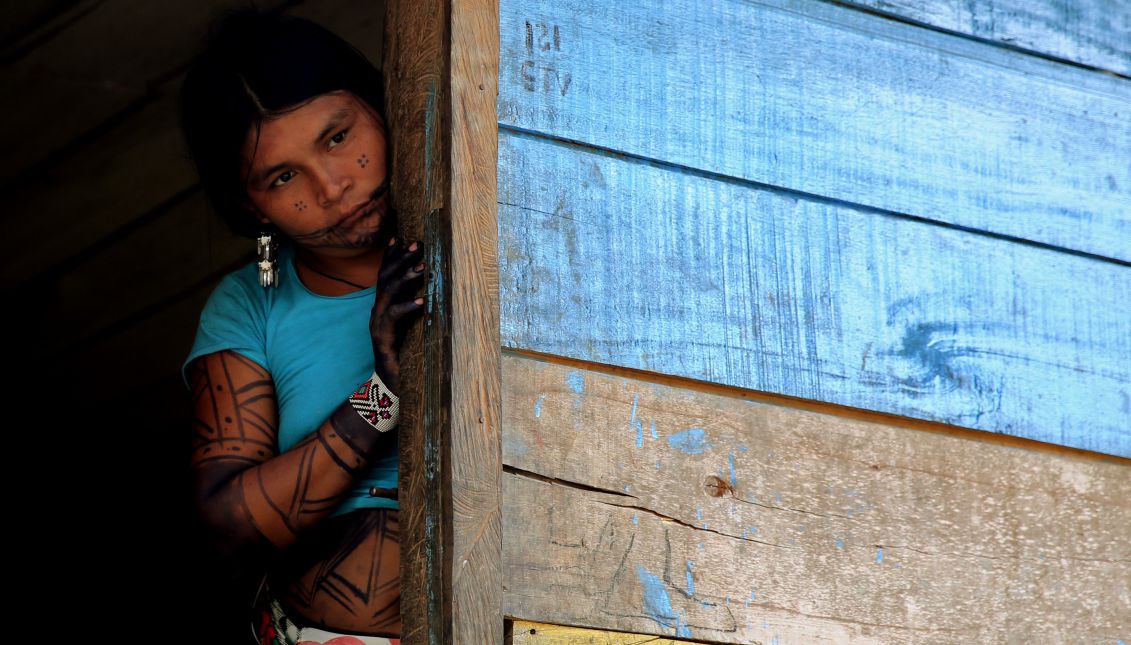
<point>561,482</point>
<point>668,518</point>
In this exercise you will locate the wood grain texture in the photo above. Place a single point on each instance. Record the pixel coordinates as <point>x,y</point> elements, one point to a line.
<point>442,83</point>
<point>1089,32</point>
<point>415,50</point>
<point>473,284</point>
<point>526,632</point>
<point>645,507</point>
<point>833,102</point>
<point>640,265</point>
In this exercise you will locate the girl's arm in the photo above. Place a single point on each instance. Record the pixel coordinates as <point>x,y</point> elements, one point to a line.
<point>256,500</point>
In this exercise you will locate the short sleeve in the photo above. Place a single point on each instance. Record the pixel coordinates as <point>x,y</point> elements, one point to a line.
<point>234,317</point>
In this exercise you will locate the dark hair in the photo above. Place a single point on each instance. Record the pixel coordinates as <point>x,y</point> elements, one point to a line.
<point>257,65</point>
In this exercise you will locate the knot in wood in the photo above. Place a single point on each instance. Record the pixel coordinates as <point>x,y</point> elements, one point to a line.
<point>716,487</point>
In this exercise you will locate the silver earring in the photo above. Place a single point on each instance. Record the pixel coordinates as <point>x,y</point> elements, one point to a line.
<point>268,255</point>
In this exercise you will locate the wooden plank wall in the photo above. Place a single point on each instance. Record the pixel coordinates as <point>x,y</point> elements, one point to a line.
<point>110,255</point>
<point>815,319</point>
<point>641,503</point>
<point>933,226</point>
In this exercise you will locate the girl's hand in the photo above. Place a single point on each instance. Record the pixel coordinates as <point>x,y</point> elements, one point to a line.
<point>401,270</point>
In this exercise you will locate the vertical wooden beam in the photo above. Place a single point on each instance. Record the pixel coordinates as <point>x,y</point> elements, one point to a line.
<point>441,68</point>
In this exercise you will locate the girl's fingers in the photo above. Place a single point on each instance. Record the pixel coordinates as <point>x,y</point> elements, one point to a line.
<point>399,310</point>
<point>396,265</point>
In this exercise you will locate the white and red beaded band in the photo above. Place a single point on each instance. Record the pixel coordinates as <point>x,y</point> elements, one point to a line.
<point>376,404</point>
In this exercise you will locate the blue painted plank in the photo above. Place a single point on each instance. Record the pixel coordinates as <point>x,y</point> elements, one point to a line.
<point>1090,32</point>
<point>833,102</point>
<point>632,263</point>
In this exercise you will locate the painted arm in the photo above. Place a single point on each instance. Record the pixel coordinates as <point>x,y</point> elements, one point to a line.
<point>250,495</point>
<point>255,498</point>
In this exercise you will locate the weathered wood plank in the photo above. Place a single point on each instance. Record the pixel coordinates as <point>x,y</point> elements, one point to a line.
<point>647,507</point>
<point>639,265</point>
<point>833,102</point>
<point>528,632</point>
<point>442,75</point>
<point>1090,32</point>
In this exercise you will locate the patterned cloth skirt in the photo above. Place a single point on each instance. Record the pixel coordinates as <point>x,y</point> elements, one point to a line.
<point>274,627</point>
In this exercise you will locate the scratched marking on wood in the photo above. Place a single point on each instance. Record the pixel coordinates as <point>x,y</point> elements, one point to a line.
<point>1092,32</point>
<point>642,507</point>
<point>632,264</point>
<point>531,633</point>
<point>833,102</point>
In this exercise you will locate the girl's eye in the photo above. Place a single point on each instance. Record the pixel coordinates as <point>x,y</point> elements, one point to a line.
<point>341,134</point>
<point>276,183</point>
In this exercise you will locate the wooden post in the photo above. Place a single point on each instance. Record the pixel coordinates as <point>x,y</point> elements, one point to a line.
<point>441,70</point>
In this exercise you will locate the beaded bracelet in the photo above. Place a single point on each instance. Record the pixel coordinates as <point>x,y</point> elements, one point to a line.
<point>376,404</point>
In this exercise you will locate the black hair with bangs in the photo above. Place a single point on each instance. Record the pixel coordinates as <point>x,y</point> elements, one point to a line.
<point>257,65</point>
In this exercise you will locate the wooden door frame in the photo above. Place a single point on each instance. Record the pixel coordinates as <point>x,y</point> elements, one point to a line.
<point>441,79</point>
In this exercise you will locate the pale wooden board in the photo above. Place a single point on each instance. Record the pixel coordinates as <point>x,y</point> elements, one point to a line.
<point>527,632</point>
<point>1089,32</point>
<point>639,265</point>
<point>834,102</point>
<point>472,370</point>
<point>646,507</point>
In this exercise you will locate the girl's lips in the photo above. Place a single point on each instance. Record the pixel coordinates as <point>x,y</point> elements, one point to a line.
<point>361,212</point>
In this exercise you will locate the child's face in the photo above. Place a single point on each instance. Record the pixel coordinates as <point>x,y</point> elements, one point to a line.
<point>314,166</point>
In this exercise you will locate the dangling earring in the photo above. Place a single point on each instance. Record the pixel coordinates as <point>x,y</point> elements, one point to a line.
<point>268,254</point>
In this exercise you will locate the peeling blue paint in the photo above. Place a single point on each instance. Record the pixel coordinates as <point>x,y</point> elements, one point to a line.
<point>681,628</point>
<point>633,422</point>
<point>879,554</point>
<point>538,406</point>
<point>698,513</point>
<point>657,464</point>
<point>690,580</point>
<point>733,477</point>
<point>693,441</point>
<point>635,520</point>
<point>576,381</point>
<point>742,447</point>
<point>840,543</point>
<point>701,547</point>
<point>777,498</point>
<point>658,604</point>
<point>654,435</point>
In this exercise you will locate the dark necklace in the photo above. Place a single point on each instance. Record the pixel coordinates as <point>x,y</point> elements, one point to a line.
<point>354,284</point>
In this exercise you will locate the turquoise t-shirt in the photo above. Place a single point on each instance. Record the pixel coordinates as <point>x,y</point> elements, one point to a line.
<point>317,349</point>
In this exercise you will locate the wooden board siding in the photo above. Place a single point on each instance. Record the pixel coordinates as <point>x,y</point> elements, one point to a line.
<point>833,102</point>
<point>1089,32</point>
<point>441,80</point>
<point>525,632</point>
<point>656,507</point>
<point>642,265</point>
